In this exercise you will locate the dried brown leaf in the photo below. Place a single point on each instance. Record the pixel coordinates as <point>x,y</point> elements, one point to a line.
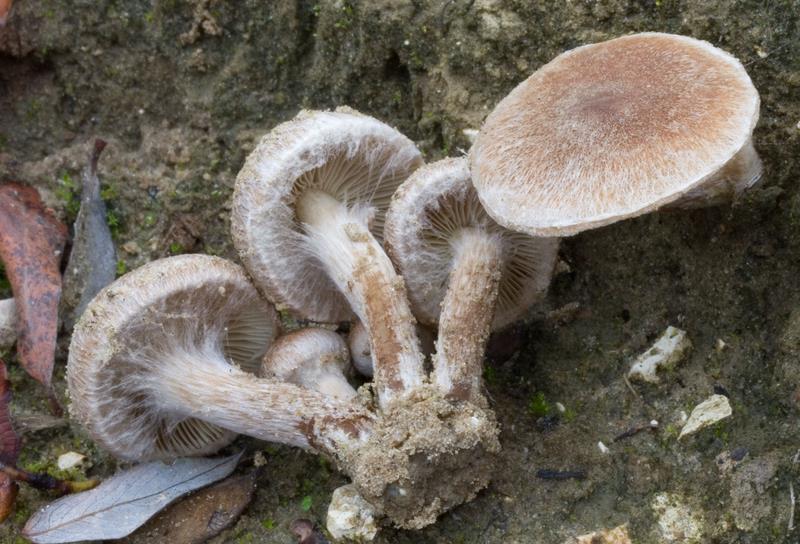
<point>9,447</point>
<point>31,243</point>
<point>201,515</point>
<point>9,441</point>
<point>8,494</point>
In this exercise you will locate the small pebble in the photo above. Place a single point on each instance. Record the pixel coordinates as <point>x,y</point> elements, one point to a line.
<point>710,411</point>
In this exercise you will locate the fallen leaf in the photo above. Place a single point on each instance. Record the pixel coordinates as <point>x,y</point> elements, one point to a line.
<point>200,516</point>
<point>31,243</point>
<point>5,9</point>
<point>9,441</point>
<point>125,501</point>
<point>93,260</point>
<point>9,447</point>
<point>8,494</point>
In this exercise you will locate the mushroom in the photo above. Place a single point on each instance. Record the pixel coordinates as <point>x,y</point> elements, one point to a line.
<point>616,129</point>
<point>463,270</point>
<point>313,358</point>
<point>158,368</point>
<point>308,208</point>
<point>358,341</point>
<point>8,323</point>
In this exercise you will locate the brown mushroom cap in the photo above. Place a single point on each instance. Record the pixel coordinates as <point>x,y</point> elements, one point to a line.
<point>177,306</point>
<point>612,130</point>
<point>352,157</point>
<point>427,215</point>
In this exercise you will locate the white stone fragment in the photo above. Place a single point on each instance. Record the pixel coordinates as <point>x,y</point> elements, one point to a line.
<point>350,516</point>
<point>713,409</point>
<point>71,459</point>
<point>603,448</point>
<point>677,522</point>
<point>670,348</point>
<point>471,134</point>
<point>617,535</point>
<point>8,323</point>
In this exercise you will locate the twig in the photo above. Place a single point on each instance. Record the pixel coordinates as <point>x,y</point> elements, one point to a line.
<point>547,474</point>
<point>45,481</point>
<point>791,512</point>
<point>651,426</point>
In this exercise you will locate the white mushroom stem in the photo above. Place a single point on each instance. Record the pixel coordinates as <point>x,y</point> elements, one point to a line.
<point>201,384</point>
<point>312,358</point>
<point>467,312</point>
<point>359,267</point>
<point>8,323</point>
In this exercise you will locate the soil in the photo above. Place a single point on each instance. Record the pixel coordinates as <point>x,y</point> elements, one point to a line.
<point>182,89</point>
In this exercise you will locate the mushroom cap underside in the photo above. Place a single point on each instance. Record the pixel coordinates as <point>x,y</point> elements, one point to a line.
<point>190,306</point>
<point>354,158</point>
<point>612,130</point>
<point>427,214</point>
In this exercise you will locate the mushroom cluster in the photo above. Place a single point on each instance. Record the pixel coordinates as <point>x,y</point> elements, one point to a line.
<point>336,218</point>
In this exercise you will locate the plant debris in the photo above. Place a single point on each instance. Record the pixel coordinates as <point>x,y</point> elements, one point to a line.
<point>31,243</point>
<point>93,260</point>
<point>125,501</point>
<point>633,431</point>
<point>9,447</point>
<point>202,515</point>
<point>548,474</point>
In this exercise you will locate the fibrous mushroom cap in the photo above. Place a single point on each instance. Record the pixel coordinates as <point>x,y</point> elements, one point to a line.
<point>426,216</point>
<point>612,130</point>
<point>354,158</point>
<point>189,306</point>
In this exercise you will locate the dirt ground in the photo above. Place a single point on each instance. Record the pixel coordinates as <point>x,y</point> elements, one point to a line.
<point>181,89</point>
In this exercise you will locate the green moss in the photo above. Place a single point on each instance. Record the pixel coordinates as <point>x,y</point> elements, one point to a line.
<point>150,219</point>
<point>68,192</point>
<point>113,224</point>
<point>490,375</point>
<point>306,503</point>
<point>538,405</point>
